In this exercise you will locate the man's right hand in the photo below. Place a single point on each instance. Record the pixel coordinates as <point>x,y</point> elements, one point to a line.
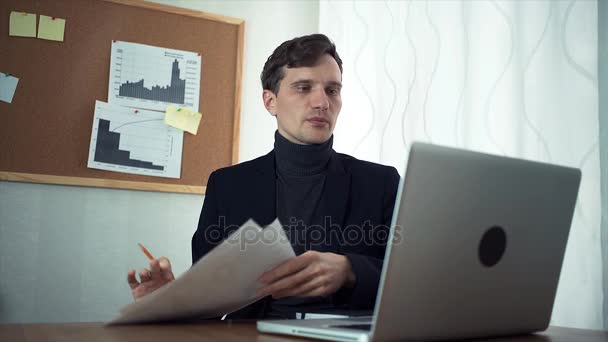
<point>158,275</point>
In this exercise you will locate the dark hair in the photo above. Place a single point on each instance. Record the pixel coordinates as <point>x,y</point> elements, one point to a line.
<point>298,52</point>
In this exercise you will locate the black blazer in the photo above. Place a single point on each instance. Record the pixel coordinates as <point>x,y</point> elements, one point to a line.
<point>358,198</point>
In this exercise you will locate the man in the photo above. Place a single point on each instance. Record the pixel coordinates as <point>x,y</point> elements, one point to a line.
<point>336,210</point>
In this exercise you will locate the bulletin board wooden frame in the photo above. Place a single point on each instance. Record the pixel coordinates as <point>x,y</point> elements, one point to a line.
<point>45,132</point>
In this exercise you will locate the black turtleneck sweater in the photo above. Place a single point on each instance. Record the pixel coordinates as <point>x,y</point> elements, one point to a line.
<point>300,172</point>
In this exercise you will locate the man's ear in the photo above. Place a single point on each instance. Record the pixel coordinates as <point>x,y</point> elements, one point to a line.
<point>270,101</point>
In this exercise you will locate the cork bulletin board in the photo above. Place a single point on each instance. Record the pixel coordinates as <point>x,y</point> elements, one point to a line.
<point>46,131</point>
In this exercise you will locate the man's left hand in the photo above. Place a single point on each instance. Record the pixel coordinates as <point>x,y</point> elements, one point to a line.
<point>308,275</point>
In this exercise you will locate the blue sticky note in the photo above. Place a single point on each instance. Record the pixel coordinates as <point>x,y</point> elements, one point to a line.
<point>8,85</point>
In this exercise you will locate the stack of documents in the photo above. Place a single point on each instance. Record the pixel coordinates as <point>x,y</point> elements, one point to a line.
<point>223,281</point>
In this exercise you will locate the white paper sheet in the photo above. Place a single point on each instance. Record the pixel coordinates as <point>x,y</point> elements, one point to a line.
<point>223,281</point>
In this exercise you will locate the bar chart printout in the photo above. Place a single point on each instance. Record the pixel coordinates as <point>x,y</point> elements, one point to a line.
<point>149,77</point>
<point>134,141</point>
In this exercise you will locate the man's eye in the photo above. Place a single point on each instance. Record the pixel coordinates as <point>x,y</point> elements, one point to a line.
<point>302,88</point>
<point>333,91</point>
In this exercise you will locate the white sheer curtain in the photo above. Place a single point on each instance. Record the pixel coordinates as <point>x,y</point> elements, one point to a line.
<point>516,78</point>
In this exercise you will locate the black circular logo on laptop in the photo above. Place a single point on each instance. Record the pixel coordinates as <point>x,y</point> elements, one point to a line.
<point>492,246</point>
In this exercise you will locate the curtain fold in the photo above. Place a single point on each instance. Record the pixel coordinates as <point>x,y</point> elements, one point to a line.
<point>516,78</point>
<point>603,110</point>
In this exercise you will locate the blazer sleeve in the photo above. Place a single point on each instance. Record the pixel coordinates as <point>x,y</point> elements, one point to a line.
<point>209,233</point>
<point>367,269</point>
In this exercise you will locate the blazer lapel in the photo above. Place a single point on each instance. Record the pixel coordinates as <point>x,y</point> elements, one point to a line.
<point>337,188</point>
<point>263,196</point>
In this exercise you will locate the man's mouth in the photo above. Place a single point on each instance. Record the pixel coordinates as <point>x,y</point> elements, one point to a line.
<point>317,120</point>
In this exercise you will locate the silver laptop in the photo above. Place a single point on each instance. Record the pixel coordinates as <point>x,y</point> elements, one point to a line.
<point>477,244</point>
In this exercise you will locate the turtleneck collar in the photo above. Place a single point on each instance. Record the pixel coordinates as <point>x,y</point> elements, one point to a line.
<point>301,160</point>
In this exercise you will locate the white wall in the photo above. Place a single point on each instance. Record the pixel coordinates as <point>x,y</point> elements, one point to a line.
<point>65,251</point>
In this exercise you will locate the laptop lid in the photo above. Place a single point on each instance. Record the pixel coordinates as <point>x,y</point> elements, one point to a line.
<point>477,245</point>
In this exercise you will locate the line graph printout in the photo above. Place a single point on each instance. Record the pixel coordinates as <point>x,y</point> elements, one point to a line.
<point>150,77</point>
<point>134,141</point>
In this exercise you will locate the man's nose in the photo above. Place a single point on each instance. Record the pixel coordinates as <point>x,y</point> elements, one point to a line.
<point>319,99</point>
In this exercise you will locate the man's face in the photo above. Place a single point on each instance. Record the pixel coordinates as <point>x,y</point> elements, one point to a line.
<point>308,102</point>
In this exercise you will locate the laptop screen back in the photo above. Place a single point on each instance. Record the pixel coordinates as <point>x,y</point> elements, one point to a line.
<point>478,243</point>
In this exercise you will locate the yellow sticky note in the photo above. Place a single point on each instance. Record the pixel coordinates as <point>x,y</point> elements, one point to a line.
<point>51,28</point>
<point>22,24</point>
<point>183,118</point>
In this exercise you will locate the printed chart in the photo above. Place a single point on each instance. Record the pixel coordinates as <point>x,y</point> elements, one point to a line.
<point>149,77</point>
<point>134,141</point>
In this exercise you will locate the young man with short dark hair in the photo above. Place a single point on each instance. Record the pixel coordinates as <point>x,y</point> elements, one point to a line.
<point>336,210</point>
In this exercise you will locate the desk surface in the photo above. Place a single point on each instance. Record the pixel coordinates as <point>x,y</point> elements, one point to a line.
<point>215,331</point>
